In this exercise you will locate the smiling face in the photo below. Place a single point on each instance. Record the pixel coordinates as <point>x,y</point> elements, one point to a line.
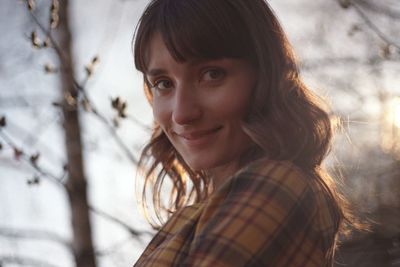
<point>199,105</point>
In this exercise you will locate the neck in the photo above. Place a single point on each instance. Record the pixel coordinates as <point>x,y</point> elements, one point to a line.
<point>220,174</point>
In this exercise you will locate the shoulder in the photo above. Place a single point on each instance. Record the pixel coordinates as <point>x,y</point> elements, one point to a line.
<point>276,192</point>
<point>266,214</point>
<point>282,186</point>
<point>279,180</point>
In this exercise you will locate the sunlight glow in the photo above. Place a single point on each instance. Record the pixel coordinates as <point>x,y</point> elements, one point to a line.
<point>391,128</point>
<point>396,112</point>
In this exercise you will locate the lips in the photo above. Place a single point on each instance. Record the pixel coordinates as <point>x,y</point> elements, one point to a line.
<point>197,138</point>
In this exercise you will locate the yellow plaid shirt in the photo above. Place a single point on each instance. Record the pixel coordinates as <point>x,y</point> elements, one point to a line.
<point>269,214</point>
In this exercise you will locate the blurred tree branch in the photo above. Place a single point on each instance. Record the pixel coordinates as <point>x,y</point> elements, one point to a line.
<point>79,96</point>
<point>380,8</point>
<point>35,234</point>
<point>357,6</point>
<point>133,232</point>
<point>33,161</point>
<point>56,35</point>
<point>24,261</point>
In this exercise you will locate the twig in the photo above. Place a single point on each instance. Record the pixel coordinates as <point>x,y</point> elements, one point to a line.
<point>48,34</point>
<point>141,124</point>
<point>113,248</point>
<point>375,28</point>
<point>372,25</point>
<point>17,102</point>
<point>379,8</point>
<point>104,120</point>
<point>31,139</point>
<point>27,159</point>
<point>124,225</point>
<point>80,87</point>
<point>24,261</point>
<point>34,234</point>
<point>53,178</point>
<point>59,181</point>
<point>117,138</point>
<point>327,62</point>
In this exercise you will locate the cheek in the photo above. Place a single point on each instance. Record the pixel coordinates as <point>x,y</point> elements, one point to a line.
<point>231,108</point>
<point>235,104</point>
<point>161,112</point>
<point>244,100</point>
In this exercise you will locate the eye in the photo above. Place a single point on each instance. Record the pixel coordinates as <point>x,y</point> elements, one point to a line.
<point>162,85</point>
<point>214,74</point>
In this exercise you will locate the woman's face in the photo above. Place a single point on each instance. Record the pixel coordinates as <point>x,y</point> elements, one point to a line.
<point>200,104</point>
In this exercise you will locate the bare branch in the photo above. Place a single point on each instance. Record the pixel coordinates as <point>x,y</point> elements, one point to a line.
<point>113,248</point>
<point>16,102</point>
<point>80,87</point>
<point>379,8</point>
<point>368,21</point>
<point>374,28</point>
<point>114,133</point>
<point>33,163</point>
<point>137,122</point>
<point>104,120</point>
<point>20,154</point>
<point>326,62</point>
<point>35,234</point>
<point>31,139</point>
<point>24,261</point>
<point>50,38</point>
<point>124,225</point>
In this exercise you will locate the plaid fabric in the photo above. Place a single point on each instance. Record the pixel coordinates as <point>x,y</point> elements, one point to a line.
<point>269,214</point>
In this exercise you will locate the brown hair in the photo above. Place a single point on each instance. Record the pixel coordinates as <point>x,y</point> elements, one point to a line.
<point>285,119</point>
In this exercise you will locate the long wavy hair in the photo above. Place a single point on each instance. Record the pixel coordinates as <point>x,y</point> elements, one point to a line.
<point>285,120</point>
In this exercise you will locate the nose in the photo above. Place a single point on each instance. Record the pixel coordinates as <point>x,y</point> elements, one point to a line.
<point>187,108</point>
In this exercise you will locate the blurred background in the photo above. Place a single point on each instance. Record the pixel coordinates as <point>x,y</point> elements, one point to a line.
<point>73,119</point>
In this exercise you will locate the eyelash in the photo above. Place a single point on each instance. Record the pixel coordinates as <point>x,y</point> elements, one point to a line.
<point>220,75</point>
<point>156,84</point>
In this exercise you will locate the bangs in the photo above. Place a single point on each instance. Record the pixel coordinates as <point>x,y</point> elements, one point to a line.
<point>193,29</point>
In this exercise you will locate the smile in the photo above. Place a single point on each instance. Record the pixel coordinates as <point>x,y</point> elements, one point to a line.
<point>199,138</point>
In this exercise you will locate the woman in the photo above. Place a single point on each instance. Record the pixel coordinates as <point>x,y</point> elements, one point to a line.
<point>233,117</point>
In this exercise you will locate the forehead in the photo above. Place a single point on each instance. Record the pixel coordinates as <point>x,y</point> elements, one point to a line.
<point>206,29</point>
<point>158,57</point>
<point>157,50</point>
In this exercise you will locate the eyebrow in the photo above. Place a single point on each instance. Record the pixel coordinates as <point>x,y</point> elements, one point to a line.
<point>192,62</point>
<point>155,72</point>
